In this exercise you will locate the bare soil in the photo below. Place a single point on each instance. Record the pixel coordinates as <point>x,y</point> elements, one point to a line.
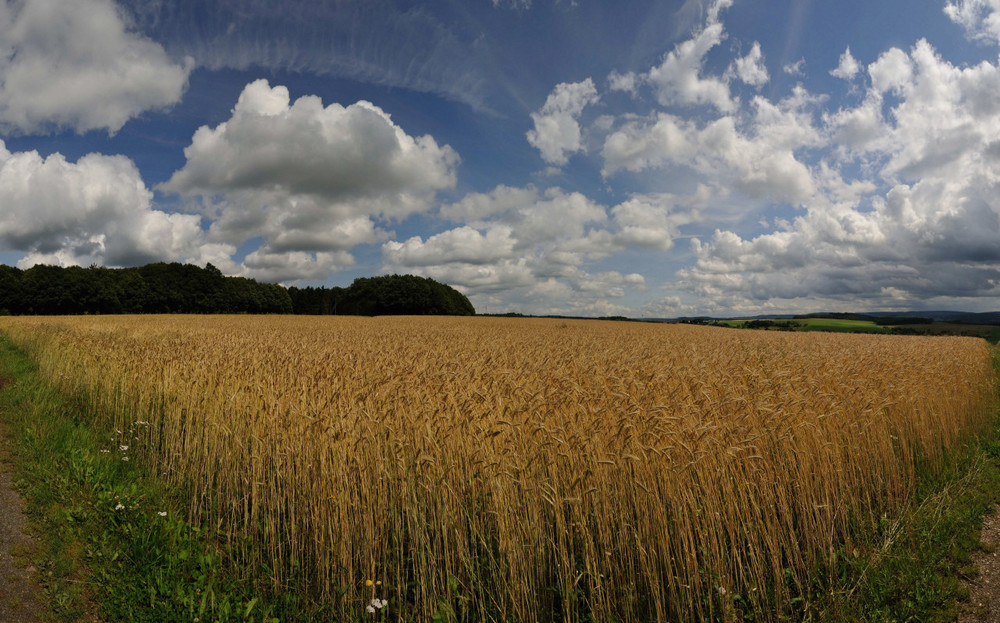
<point>983,579</point>
<point>20,600</point>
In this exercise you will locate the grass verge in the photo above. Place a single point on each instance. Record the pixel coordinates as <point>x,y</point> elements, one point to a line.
<point>115,546</point>
<point>911,569</point>
<point>111,542</point>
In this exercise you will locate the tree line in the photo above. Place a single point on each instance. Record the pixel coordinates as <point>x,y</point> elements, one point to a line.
<point>152,289</point>
<point>175,288</point>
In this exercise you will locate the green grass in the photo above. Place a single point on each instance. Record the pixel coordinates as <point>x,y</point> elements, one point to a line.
<point>111,538</point>
<point>910,569</point>
<point>106,547</point>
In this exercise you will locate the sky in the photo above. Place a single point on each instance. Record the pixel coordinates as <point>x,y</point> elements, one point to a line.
<point>646,158</point>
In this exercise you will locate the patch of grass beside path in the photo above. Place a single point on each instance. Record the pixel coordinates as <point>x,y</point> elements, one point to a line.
<point>112,539</point>
<point>911,569</point>
<point>115,543</point>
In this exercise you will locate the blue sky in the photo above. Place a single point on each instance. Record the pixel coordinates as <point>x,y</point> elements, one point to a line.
<point>583,157</point>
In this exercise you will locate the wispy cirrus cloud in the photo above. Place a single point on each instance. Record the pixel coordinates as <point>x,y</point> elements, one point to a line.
<point>386,42</point>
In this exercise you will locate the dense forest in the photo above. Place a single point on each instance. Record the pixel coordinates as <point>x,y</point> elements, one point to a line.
<point>151,289</point>
<point>389,295</point>
<point>187,289</point>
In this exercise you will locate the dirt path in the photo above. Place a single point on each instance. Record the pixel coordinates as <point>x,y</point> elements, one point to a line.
<point>19,595</point>
<point>984,588</point>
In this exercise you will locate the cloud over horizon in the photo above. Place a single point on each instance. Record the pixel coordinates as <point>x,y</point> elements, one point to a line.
<point>926,223</point>
<point>95,210</point>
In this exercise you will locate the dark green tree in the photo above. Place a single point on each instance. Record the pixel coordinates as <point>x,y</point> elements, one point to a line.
<point>403,295</point>
<point>11,296</point>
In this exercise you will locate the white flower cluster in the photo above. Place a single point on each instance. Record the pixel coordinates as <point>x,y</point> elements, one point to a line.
<point>376,604</point>
<point>132,435</point>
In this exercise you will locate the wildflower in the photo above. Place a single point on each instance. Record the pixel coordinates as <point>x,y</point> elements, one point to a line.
<point>368,582</point>
<point>124,458</point>
<point>123,448</point>
<point>162,513</point>
<point>105,451</point>
<point>119,507</point>
<point>370,609</point>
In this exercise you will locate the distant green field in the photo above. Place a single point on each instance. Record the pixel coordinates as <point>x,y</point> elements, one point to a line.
<point>846,326</point>
<point>736,324</point>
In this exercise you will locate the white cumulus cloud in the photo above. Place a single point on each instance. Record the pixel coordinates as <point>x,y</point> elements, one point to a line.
<point>535,247</point>
<point>308,179</point>
<point>678,79</point>
<point>922,219</point>
<point>627,81</point>
<point>795,69</point>
<point>979,18</point>
<point>78,65</point>
<point>892,71</point>
<point>751,69</point>
<point>557,129</point>
<point>95,210</point>
<point>848,67</point>
<point>652,220</point>
<point>760,163</point>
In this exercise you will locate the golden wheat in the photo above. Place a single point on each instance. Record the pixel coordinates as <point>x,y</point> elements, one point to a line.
<point>522,469</point>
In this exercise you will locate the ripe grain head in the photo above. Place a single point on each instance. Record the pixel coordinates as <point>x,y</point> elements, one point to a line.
<point>555,469</point>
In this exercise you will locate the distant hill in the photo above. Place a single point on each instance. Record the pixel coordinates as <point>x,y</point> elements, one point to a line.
<point>959,317</point>
<point>992,318</point>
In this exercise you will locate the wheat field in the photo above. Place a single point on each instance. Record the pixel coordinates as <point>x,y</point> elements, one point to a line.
<point>526,469</point>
